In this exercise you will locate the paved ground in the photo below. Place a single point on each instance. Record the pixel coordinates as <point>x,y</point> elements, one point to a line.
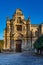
<point>24,58</point>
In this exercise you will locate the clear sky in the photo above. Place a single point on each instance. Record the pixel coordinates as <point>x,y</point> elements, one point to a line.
<point>32,8</point>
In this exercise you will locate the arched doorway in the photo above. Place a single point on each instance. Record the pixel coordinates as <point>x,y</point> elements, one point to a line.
<point>18,37</point>
<point>18,45</point>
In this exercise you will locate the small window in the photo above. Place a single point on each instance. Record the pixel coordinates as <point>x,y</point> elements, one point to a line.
<point>19,20</point>
<point>36,33</point>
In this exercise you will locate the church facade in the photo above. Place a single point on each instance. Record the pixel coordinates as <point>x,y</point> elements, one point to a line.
<point>18,28</point>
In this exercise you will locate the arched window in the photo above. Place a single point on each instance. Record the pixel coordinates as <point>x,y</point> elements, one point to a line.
<point>19,20</point>
<point>36,33</point>
<point>19,27</point>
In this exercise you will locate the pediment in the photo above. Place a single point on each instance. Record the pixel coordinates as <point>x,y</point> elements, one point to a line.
<point>18,36</point>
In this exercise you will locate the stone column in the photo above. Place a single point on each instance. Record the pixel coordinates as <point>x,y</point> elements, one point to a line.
<point>5,39</point>
<point>8,42</point>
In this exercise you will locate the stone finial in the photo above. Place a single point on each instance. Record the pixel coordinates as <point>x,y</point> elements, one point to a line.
<point>29,18</point>
<point>7,18</point>
<point>28,21</point>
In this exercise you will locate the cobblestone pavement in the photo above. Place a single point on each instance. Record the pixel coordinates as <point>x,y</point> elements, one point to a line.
<point>24,58</point>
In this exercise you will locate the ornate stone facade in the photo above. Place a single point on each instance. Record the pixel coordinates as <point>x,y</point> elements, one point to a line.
<point>18,28</point>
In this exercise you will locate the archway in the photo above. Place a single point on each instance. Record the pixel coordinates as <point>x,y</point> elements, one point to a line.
<point>18,45</point>
<point>18,37</point>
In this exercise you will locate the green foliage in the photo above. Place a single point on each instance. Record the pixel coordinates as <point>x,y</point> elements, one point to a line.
<point>1,44</point>
<point>39,43</point>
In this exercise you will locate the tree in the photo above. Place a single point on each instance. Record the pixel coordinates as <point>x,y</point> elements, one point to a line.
<point>39,44</point>
<point>1,44</point>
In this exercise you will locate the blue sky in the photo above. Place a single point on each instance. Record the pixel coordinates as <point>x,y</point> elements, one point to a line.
<point>32,8</point>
